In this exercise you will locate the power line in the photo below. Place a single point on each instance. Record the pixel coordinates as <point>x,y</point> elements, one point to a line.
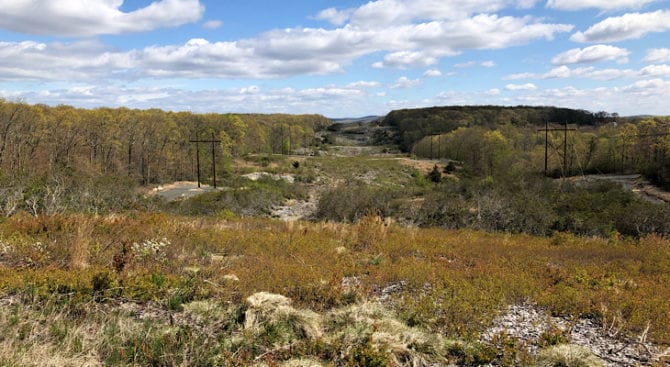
<point>565,130</point>
<point>197,142</point>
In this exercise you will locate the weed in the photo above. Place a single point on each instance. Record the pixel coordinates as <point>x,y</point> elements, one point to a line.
<point>553,336</point>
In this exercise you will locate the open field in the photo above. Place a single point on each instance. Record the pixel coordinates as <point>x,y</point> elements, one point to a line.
<point>160,289</point>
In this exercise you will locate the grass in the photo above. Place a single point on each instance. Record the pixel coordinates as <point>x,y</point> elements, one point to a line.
<point>568,356</point>
<point>162,289</point>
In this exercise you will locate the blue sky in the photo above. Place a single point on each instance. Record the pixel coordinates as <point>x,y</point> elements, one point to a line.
<point>337,58</point>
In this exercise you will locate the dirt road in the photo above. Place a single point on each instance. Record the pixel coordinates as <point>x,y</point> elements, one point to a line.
<point>179,190</point>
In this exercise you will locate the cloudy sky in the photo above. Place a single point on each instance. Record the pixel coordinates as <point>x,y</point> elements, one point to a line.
<point>339,58</point>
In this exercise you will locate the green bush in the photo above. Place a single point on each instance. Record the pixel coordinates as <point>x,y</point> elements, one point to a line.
<point>353,200</point>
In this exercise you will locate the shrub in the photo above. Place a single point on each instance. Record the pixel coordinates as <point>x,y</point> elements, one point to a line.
<point>370,231</point>
<point>352,201</point>
<point>450,167</point>
<point>435,175</point>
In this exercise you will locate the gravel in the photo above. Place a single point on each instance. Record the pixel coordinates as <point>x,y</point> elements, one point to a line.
<point>527,324</point>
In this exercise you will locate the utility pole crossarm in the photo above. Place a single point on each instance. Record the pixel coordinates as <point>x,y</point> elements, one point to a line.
<point>197,142</point>
<point>565,130</point>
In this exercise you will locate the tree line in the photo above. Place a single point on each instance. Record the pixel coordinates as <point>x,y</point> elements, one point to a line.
<point>65,159</point>
<point>492,141</point>
<point>414,124</point>
<point>150,146</point>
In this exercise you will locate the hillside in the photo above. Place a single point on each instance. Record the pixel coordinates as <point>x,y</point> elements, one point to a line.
<point>379,258</point>
<point>160,290</point>
<point>490,140</point>
<point>414,124</point>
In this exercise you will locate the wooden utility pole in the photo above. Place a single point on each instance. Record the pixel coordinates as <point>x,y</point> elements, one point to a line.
<point>431,147</point>
<point>546,147</point>
<point>282,140</point>
<point>214,159</point>
<point>565,130</point>
<point>439,145</point>
<point>565,149</point>
<point>290,141</point>
<point>197,142</point>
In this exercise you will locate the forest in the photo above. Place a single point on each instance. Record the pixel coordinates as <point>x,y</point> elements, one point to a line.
<point>491,140</point>
<point>413,124</point>
<point>48,152</point>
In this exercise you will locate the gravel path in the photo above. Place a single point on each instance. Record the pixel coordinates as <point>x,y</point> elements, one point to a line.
<point>180,190</point>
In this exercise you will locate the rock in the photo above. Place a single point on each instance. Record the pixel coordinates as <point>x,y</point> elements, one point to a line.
<point>527,323</point>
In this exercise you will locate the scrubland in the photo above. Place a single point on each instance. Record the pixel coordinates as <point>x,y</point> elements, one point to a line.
<point>164,289</point>
<point>400,261</point>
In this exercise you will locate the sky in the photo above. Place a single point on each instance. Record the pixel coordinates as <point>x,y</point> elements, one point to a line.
<point>337,58</point>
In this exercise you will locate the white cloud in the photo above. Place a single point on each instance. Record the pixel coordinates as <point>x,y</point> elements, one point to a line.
<point>519,76</point>
<point>591,54</point>
<point>642,97</point>
<point>277,53</point>
<point>627,26</point>
<point>330,100</point>
<point>212,24</point>
<point>648,96</point>
<point>85,18</point>
<point>656,70</point>
<point>485,31</point>
<point>363,84</point>
<point>433,73</point>
<point>604,74</point>
<point>563,72</point>
<point>597,4</point>
<point>649,87</point>
<point>82,60</point>
<point>253,89</point>
<point>327,92</point>
<point>406,59</point>
<point>334,16</point>
<point>253,59</point>
<point>516,87</point>
<point>656,55</point>
<point>404,82</point>
<point>469,64</point>
<point>381,13</point>
<point>558,72</point>
<point>463,65</point>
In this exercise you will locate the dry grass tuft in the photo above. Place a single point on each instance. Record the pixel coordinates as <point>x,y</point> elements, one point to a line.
<point>372,323</point>
<point>567,355</point>
<point>370,231</point>
<point>301,363</point>
<point>70,300</point>
<point>79,247</point>
<point>275,311</point>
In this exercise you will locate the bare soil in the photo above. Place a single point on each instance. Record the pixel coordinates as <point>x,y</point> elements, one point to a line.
<point>179,190</point>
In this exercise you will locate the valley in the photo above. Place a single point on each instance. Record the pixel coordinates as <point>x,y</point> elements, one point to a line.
<point>334,247</point>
